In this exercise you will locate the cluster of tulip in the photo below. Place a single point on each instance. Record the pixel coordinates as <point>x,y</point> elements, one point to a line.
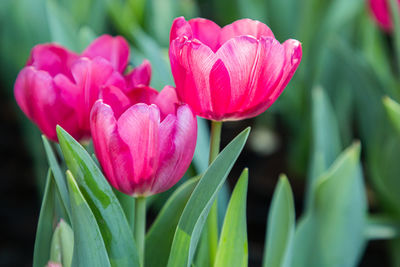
<point>145,140</point>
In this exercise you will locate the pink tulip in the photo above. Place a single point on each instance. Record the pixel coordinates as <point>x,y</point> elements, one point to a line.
<point>60,87</point>
<point>381,13</point>
<point>230,73</point>
<point>45,93</point>
<point>140,152</point>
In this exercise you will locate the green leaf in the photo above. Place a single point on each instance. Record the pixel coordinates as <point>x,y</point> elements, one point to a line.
<point>326,140</point>
<point>128,205</point>
<point>116,232</point>
<point>161,233</point>
<point>196,210</point>
<point>62,244</point>
<point>331,233</point>
<point>232,246</point>
<point>89,248</point>
<point>44,229</point>
<point>58,176</point>
<point>280,229</point>
<point>393,111</point>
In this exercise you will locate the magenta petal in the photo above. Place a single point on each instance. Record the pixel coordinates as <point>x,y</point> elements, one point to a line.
<point>220,87</point>
<point>90,76</point>
<point>191,64</point>
<point>180,27</point>
<point>145,95</point>
<point>167,100</point>
<point>206,31</point>
<point>138,128</point>
<point>52,58</point>
<point>113,154</point>
<point>116,99</point>
<point>241,27</point>
<point>114,49</point>
<point>139,76</point>
<point>178,136</point>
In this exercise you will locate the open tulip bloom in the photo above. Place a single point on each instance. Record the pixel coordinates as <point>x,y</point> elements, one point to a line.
<point>230,73</point>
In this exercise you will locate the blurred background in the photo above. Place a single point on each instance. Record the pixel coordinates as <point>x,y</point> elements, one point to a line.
<point>333,100</point>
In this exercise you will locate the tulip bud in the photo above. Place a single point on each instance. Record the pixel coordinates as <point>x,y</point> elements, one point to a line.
<point>143,152</point>
<point>62,245</point>
<point>230,73</point>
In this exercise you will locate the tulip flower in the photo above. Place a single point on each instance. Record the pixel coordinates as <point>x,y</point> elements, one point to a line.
<point>380,10</point>
<point>59,87</point>
<point>143,152</point>
<point>230,73</point>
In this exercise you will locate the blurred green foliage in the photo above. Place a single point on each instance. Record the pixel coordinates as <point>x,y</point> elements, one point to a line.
<point>350,61</point>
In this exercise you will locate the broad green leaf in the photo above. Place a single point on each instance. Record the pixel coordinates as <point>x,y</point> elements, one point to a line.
<point>44,231</point>
<point>62,28</point>
<point>161,233</point>
<point>325,139</point>
<point>58,176</point>
<point>280,227</point>
<point>331,233</point>
<point>116,232</point>
<point>196,210</point>
<point>128,205</point>
<point>232,246</point>
<point>393,111</point>
<point>89,248</point>
<point>62,244</point>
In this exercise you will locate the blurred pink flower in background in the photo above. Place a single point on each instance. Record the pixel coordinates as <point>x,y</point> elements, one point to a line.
<point>230,73</point>
<point>145,149</point>
<point>381,13</point>
<point>58,86</point>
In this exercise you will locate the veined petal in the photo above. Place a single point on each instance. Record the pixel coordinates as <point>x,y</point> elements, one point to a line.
<point>52,58</point>
<point>139,76</point>
<point>138,128</point>
<point>180,27</point>
<point>167,101</point>
<point>191,63</point>
<point>206,31</point>
<point>114,49</point>
<point>177,137</point>
<point>113,154</point>
<point>115,97</point>
<point>241,27</point>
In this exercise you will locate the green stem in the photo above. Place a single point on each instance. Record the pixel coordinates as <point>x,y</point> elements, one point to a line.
<point>140,226</point>
<point>394,11</point>
<point>212,220</point>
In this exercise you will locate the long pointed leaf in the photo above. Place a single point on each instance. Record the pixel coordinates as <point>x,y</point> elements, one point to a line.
<point>280,229</point>
<point>44,230</point>
<point>195,213</point>
<point>113,225</point>
<point>89,248</point>
<point>58,175</point>
<point>232,246</point>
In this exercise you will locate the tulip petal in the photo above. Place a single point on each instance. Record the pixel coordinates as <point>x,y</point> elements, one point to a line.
<point>116,99</point>
<point>239,55</point>
<point>139,76</point>
<point>177,141</point>
<point>113,154</point>
<point>52,58</point>
<point>113,49</point>
<point>220,87</point>
<point>191,63</point>
<point>241,27</point>
<point>90,76</point>
<point>167,101</point>
<point>206,32</point>
<point>180,27</point>
<point>138,128</point>
<point>145,95</point>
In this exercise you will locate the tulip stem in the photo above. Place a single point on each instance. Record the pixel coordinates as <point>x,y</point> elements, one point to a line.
<point>212,220</point>
<point>140,226</point>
